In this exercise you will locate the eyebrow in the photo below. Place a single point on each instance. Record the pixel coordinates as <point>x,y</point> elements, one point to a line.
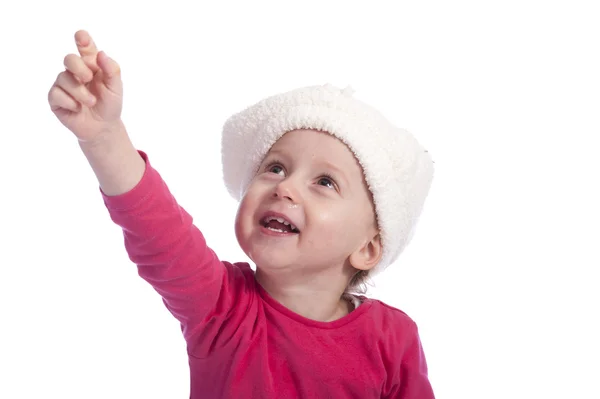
<point>276,152</point>
<point>338,171</point>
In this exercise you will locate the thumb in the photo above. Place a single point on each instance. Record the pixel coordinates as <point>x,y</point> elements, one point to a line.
<point>111,72</point>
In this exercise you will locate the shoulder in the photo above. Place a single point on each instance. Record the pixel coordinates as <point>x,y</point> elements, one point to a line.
<point>389,316</point>
<point>392,327</point>
<point>402,355</point>
<point>398,341</point>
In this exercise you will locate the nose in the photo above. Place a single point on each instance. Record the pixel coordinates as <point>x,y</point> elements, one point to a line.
<point>285,190</point>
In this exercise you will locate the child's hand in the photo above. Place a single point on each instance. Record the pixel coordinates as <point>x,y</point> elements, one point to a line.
<point>88,96</point>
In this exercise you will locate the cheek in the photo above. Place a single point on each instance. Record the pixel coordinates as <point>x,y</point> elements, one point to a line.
<point>336,226</point>
<point>244,212</point>
<point>248,206</point>
<point>243,222</point>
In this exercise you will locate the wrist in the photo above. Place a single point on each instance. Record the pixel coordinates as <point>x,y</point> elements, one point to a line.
<point>113,135</point>
<point>114,159</point>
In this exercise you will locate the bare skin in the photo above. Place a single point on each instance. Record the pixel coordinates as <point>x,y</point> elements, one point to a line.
<point>312,180</point>
<point>87,98</point>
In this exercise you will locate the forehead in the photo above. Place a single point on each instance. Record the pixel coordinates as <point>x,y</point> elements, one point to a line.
<point>316,145</point>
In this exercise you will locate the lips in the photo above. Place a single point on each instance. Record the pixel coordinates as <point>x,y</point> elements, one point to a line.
<point>278,222</point>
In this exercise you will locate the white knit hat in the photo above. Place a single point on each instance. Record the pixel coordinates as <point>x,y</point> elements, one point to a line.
<point>397,169</point>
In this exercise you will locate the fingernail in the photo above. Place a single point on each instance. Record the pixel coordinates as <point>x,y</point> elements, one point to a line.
<point>91,100</point>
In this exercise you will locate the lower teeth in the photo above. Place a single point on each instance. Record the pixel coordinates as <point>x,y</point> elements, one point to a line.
<point>277,230</point>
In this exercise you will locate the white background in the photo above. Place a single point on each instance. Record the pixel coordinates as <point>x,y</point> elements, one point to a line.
<point>502,276</point>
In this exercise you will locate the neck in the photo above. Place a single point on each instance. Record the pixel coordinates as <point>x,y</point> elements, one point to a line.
<point>316,297</point>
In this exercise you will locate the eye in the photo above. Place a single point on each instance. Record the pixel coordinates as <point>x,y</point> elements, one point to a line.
<point>275,167</point>
<point>326,181</point>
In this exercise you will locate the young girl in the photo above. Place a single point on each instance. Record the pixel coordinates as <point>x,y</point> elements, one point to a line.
<point>329,194</point>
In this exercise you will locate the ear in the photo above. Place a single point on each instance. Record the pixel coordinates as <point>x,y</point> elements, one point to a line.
<point>368,255</point>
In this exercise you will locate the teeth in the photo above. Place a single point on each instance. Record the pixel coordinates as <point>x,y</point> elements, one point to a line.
<point>280,220</point>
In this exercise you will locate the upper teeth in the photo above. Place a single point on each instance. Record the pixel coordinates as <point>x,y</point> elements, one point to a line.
<point>280,220</point>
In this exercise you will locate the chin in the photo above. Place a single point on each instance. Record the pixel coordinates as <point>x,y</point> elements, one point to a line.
<point>270,251</point>
<point>269,258</point>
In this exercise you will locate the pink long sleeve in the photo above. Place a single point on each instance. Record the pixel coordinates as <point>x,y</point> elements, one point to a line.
<point>242,343</point>
<point>171,253</point>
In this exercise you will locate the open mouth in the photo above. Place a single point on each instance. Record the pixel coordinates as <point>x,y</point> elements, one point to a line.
<point>278,224</point>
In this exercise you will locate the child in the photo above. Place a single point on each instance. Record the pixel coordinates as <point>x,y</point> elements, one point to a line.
<point>330,193</point>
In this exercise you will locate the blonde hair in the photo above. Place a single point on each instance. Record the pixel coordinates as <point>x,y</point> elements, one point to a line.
<point>358,283</point>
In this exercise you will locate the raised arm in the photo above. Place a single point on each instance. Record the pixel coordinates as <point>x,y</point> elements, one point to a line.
<point>160,237</point>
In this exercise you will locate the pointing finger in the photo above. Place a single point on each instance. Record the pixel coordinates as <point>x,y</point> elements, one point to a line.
<point>87,49</point>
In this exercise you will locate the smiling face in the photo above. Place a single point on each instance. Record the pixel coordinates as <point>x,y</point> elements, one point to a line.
<point>308,208</point>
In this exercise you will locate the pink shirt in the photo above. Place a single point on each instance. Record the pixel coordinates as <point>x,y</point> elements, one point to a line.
<point>243,344</point>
